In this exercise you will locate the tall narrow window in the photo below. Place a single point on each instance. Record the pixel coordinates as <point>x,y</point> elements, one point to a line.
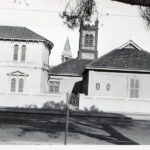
<point>86,40</point>
<point>16,48</point>
<point>91,40</point>
<point>23,53</point>
<point>13,85</point>
<point>21,83</point>
<point>134,88</point>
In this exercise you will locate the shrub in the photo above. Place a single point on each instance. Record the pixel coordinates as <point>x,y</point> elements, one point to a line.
<point>53,105</point>
<point>92,109</point>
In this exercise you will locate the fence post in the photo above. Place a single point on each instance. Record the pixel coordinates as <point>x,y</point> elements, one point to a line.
<point>67,118</point>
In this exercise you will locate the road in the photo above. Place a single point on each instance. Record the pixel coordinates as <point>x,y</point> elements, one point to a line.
<point>20,128</point>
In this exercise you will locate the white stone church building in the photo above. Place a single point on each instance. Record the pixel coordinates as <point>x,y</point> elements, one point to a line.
<point>24,67</point>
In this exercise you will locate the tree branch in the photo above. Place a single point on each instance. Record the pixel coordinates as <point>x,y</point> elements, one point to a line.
<point>145,3</point>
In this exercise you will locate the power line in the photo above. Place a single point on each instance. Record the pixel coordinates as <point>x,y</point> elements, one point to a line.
<point>56,11</point>
<point>119,15</point>
<point>113,26</point>
<point>33,10</point>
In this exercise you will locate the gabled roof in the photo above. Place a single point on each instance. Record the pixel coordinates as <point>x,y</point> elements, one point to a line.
<point>72,67</point>
<point>131,45</point>
<point>21,33</point>
<point>124,58</point>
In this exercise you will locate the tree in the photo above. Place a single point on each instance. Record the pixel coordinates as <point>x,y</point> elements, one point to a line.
<point>77,11</point>
<point>145,3</point>
<point>145,13</point>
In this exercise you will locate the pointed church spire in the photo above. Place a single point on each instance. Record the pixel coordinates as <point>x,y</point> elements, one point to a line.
<point>66,54</point>
<point>67,45</point>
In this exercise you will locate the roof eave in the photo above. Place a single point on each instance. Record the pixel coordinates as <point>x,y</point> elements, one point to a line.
<point>118,69</point>
<point>47,42</point>
<point>65,74</point>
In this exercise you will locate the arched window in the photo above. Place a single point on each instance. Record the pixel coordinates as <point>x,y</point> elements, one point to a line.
<point>16,48</point>
<point>91,40</point>
<point>13,85</point>
<point>23,53</point>
<point>21,84</point>
<point>86,40</point>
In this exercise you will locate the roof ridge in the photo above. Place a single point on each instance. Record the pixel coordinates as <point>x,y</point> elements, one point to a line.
<point>34,32</point>
<point>101,57</point>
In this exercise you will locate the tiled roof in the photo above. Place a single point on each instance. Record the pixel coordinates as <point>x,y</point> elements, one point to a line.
<point>70,67</point>
<point>123,59</point>
<point>20,33</point>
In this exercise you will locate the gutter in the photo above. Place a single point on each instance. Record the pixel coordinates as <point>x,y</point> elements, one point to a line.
<point>72,75</point>
<point>118,70</point>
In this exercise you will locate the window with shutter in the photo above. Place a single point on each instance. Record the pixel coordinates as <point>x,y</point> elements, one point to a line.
<point>134,88</point>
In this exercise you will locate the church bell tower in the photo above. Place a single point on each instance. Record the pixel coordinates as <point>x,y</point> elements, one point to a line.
<point>88,41</point>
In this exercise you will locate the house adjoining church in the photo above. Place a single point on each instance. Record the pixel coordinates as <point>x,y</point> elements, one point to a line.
<point>116,82</point>
<point>24,67</point>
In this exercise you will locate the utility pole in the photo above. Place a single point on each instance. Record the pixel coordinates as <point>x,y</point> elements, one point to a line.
<point>67,118</point>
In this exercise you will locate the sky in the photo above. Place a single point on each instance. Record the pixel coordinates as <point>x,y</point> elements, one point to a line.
<point>42,16</point>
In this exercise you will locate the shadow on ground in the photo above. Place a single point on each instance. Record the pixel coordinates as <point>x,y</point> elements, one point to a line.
<point>53,125</point>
